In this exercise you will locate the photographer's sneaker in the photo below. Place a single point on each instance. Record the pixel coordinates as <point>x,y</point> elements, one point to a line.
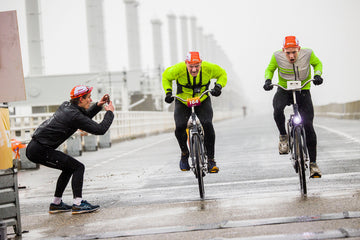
<point>314,170</point>
<point>283,144</point>
<point>58,208</point>
<point>84,207</point>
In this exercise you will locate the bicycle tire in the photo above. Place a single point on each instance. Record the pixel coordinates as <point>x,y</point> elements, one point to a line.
<point>299,156</point>
<point>198,165</point>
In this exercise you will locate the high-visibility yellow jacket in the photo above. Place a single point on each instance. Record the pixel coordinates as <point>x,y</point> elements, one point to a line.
<point>185,82</point>
<point>300,70</point>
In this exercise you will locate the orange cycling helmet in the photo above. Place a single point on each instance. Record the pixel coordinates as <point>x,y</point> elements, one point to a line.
<point>79,91</point>
<point>290,42</point>
<point>193,58</point>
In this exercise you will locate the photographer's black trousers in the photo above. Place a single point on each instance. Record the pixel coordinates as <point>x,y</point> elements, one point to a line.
<point>52,158</point>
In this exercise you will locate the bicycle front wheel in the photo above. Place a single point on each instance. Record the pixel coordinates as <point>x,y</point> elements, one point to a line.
<point>299,156</point>
<point>198,164</point>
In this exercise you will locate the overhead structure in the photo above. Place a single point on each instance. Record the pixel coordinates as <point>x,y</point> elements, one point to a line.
<point>173,45</point>
<point>194,45</point>
<point>96,35</point>
<point>157,44</point>
<point>35,37</point>
<point>184,35</point>
<point>133,78</point>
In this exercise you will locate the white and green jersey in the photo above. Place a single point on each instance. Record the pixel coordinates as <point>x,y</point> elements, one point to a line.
<point>300,70</point>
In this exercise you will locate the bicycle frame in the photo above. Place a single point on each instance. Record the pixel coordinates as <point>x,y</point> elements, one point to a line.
<point>297,136</point>
<point>196,140</point>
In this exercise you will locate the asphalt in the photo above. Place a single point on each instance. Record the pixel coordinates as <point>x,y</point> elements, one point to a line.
<point>144,195</point>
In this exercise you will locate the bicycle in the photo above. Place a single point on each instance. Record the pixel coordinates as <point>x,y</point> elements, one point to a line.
<point>199,164</point>
<point>297,138</point>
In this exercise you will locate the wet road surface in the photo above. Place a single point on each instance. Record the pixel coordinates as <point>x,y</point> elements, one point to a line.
<point>144,195</point>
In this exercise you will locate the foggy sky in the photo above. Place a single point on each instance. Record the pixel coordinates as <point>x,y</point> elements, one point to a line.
<point>248,31</point>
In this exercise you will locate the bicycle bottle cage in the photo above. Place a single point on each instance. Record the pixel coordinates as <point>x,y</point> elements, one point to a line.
<point>293,85</point>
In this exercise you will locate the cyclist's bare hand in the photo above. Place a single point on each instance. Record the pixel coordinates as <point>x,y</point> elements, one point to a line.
<point>110,107</point>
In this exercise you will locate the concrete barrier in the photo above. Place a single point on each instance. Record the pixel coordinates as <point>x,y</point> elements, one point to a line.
<point>350,110</point>
<point>90,143</point>
<point>9,200</point>
<point>105,140</point>
<point>74,145</point>
<point>25,163</point>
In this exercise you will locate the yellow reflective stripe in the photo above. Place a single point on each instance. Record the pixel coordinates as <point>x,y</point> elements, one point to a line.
<point>286,71</point>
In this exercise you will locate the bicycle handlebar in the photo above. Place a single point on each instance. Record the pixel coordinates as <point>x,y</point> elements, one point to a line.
<point>277,85</point>
<point>184,100</point>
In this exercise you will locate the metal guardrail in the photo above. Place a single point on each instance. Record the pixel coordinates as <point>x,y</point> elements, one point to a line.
<point>350,110</point>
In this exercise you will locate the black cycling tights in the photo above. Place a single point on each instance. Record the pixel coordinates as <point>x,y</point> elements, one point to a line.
<point>49,157</point>
<point>283,98</point>
<point>205,114</point>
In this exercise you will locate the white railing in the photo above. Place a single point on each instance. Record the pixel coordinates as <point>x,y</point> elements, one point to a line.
<point>125,125</point>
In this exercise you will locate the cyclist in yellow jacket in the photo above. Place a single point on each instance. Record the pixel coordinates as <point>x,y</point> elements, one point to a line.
<point>193,77</point>
<point>294,63</point>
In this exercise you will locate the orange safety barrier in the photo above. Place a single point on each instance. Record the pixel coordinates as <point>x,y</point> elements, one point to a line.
<point>15,146</point>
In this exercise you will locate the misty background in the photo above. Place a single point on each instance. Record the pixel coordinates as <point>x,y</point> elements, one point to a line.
<point>248,32</point>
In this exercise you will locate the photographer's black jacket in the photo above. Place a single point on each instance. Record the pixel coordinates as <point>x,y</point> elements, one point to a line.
<point>67,119</point>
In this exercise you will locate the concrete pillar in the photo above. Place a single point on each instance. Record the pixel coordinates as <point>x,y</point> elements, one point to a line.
<point>184,36</point>
<point>133,76</point>
<point>133,35</point>
<point>210,47</point>
<point>173,39</point>
<point>96,35</point>
<point>35,41</point>
<point>157,43</point>
<point>158,55</point>
<point>200,41</point>
<point>194,46</point>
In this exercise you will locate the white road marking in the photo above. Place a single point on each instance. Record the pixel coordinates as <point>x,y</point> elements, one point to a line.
<point>338,133</point>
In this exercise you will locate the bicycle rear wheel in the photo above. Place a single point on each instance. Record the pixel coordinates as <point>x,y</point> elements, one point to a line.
<point>198,165</point>
<point>299,156</point>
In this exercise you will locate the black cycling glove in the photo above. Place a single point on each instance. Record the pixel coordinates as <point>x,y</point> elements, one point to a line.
<point>216,91</point>
<point>267,86</point>
<point>169,98</point>
<point>318,80</point>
